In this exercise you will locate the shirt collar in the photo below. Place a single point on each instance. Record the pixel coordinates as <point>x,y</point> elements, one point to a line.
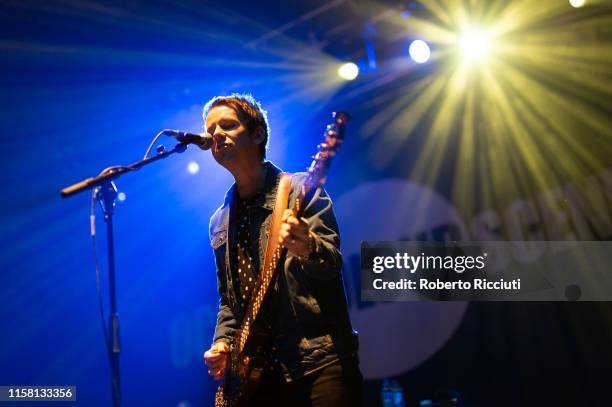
<point>266,196</point>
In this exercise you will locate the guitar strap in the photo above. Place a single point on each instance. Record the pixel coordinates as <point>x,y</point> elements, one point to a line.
<point>280,204</point>
<point>267,272</point>
<point>271,259</point>
<point>250,383</point>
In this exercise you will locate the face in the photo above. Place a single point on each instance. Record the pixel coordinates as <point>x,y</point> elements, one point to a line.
<point>232,141</point>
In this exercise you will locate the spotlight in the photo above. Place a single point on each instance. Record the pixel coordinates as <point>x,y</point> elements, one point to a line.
<point>419,51</point>
<point>193,167</point>
<point>121,196</point>
<point>348,71</point>
<point>475,44</point>
<point>577,3</point>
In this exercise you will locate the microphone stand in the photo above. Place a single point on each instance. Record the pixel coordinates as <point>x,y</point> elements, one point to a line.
<point>105,193</point>
<point>112,173</point>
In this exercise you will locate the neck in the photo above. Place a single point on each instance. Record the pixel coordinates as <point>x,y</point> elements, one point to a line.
<point>250,179</point>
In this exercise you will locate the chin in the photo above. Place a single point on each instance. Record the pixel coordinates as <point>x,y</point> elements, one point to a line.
<point>224,157</point>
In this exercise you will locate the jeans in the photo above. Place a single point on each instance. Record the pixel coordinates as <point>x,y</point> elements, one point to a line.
<point>336,385</point>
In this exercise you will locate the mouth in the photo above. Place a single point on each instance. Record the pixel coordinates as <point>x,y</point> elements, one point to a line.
<point>222,147</point>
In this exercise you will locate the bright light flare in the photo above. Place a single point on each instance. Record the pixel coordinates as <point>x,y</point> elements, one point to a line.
<point>475,44</point>
<point>577,3</point>
<point>348,71</point>
<point>121,196</point>
<point>193,167</point>
<point>542,71</point>
<point>419,51</point>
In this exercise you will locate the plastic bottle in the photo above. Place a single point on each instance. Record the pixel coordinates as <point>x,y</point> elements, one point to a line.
<point>391,394</point>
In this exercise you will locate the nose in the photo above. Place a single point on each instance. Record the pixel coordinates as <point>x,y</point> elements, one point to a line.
<point>218,135</point>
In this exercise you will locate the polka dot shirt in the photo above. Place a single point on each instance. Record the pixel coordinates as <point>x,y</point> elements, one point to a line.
<point>246,254</point>
<point>246,271</point>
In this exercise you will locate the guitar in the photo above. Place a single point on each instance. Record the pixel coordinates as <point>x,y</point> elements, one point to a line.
<point>244,368</point>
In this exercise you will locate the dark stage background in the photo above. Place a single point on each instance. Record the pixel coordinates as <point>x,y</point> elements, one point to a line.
<point>516,147</point>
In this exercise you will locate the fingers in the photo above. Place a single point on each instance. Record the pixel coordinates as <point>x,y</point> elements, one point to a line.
<point>216,364</point>
<point>289,218</point>
<point>219,374</point>
<point>294,234</point>
<point>296,242</point>
<point>286,213</point>
<point>297,228</point>
<point>216,359</point>
<point>289,234</point>
<point>213,358</point>
<point>216,373</point>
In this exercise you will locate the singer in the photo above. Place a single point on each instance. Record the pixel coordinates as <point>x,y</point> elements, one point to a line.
<point>311,354</point>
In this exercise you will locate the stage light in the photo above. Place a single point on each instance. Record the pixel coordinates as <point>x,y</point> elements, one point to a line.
<point>577,3</point>
<point>419,51</point>
<point>348,71</point>
<point>121,196</point>
<point>193,167</point>
<point>475,44</point>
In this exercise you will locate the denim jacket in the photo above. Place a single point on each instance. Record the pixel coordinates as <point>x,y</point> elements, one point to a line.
<point>310,320</point>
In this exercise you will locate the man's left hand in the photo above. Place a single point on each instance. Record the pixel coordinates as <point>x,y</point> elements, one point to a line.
<point>295,234</point>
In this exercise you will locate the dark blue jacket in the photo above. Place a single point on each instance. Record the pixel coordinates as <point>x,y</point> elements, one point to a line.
<point>310,318</point>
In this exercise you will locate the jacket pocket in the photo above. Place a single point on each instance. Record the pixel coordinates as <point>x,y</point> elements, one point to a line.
<point>316,349</point>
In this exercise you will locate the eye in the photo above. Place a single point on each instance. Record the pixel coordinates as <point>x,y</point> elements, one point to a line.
<point>228,125</point>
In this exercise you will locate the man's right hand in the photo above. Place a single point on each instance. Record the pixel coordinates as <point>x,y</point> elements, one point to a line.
<point>216,359</point>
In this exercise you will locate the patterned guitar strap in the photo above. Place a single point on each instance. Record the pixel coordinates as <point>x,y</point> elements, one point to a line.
<point>271,259</point>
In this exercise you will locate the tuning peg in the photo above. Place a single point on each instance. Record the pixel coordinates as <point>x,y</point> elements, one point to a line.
<point>341,116</point>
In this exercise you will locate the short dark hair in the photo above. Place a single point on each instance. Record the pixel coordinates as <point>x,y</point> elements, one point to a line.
<point>249,110</point>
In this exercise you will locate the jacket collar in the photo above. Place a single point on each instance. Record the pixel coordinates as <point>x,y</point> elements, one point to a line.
<point>264,198</point>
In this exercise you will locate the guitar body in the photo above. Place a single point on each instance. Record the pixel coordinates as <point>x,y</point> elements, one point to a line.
<point>243,373</point>
<point>239,387</point>
<point>246,366</point>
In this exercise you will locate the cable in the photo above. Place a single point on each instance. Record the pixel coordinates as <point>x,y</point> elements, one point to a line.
<point>152,142</point>
<point>92,225</point>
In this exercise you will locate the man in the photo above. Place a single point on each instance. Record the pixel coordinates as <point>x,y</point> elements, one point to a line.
<point>312,349</point>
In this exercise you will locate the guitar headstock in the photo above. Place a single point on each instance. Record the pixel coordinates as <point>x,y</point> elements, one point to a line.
<point>333,139</point>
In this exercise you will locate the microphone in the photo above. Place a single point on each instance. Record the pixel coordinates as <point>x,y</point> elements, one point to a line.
<point>204,141</point>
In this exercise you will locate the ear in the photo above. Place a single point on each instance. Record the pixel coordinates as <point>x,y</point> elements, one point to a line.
<point>259,135</point>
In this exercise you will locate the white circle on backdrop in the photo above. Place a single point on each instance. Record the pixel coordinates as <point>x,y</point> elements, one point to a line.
<point>395,337</point>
